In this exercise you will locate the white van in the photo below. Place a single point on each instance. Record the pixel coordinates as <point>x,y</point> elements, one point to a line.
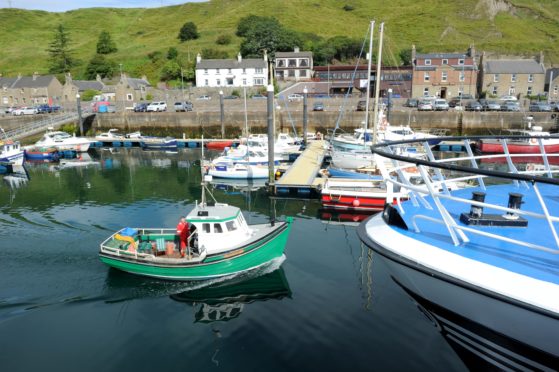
<point>157,106</point>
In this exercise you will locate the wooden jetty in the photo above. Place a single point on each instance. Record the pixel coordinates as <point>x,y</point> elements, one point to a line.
<point>135,142</point>
<point>300,179</point>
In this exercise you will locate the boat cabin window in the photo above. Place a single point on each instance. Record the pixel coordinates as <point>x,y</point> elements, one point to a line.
<point>206,227</point>
<point>217,228</point>
<point>231,225</point>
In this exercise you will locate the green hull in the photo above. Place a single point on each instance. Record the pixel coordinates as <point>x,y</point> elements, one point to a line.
<point>254,255</point>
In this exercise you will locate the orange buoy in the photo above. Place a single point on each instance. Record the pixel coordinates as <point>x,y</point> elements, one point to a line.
<point>356,203</point>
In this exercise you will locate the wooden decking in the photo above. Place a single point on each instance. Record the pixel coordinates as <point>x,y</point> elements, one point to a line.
<point>300,177</point>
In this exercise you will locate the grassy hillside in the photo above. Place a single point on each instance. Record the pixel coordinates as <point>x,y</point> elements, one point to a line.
<point>511,27</point>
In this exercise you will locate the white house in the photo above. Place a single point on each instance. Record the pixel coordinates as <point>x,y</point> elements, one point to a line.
<point>250,72</point>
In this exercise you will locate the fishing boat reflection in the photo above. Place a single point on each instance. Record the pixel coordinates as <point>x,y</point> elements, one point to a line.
<point>345,218</point>
<point>226,300</point>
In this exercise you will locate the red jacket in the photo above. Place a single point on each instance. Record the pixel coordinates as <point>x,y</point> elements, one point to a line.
<point>183,230</point>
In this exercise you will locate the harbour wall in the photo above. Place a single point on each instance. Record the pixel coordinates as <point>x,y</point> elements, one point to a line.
<point>195,123</point>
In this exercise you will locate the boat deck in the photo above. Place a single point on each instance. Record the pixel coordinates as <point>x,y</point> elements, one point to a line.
<point>301,176</point>
<point>534,263</point>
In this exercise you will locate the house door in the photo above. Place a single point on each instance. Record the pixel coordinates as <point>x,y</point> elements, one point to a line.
<point>443,92</point>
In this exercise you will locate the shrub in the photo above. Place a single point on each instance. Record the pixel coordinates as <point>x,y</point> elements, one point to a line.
<point>223,40</point>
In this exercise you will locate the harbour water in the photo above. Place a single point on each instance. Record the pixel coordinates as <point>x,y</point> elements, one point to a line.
<point>329,305</point>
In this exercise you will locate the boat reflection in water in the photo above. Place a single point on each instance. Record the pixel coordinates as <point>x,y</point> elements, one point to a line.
<point>226,300</point>
<point>345,218</point>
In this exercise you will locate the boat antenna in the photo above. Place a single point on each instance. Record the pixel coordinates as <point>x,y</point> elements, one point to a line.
<point>203,184</point>
<point>377,84</point>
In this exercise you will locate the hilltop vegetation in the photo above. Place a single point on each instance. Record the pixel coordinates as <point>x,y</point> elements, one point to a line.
<point>144,36</point>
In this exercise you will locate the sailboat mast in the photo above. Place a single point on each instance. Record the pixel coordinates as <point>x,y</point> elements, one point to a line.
<point>203,203</point>
<point>378,79</point>
<point>369,76</point>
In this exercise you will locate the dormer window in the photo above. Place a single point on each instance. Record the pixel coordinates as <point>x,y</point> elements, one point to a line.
<point>427,62</point>
<point>445,61</point>
<point>461,61</point>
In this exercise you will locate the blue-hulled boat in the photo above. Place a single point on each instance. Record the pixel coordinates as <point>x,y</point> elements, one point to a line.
<point>155,143</point>
<point>482,261</point>
<point>40,153</point>
<point>350,174</point>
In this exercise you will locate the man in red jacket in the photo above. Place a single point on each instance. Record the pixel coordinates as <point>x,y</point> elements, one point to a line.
<point>183,232</point>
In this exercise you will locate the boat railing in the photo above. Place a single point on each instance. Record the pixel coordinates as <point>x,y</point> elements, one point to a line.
<point>437,173</point>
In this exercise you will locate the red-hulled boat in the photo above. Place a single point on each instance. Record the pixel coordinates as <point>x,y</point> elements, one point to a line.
<point>526,145</point>
<point>359,195</point>
<point>219,145</point>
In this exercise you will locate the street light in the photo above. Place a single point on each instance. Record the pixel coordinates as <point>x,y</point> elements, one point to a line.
<point>222,114</point>
<point>80,120</point>
<point>305,119</point>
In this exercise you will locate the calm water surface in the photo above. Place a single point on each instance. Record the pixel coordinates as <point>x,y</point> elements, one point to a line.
<point>330,305</point>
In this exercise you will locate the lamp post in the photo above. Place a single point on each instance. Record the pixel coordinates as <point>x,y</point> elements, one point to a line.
<point>80,120</point>
<point>389,106</point>
<point>305,118</point>
<point>222,114</point>
<point>182,85</point>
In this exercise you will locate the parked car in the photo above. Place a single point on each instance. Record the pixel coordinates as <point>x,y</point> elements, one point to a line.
<point>474,106</point>
<point>231,97</point>
<point>318,106</point>
<point>554,106</point>
<point>425,105</point>
<point>24,111</point>
<point>411,102</point>
<point>141,107</point>
<point>361,105</point>
<point>508,98</point>
<point>440,105</point>
<point>204,98</point>
<point>540,107</point>
<point>510,106</point>
<point>111,109</point>
<point>295,97</point>
<point>183,106</point>
<point>259,96</point>
<point>47,109</point>
<point>491,106</point>
<point>157,106</point>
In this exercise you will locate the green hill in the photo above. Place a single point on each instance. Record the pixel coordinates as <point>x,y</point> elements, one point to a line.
<point>511,27</point>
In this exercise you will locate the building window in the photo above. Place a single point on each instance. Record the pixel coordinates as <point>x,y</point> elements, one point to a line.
<point>427,62</point>
<point>461,61</point>
<point>229,70</point>
<point>462,76</point>
<point>218,82</point>
<point>303,62</point>
<point>494,92</point>
<point>496,78</point>
<point>259,70</point>
<point>217,71</point>
<point>445,61</point>
<point>303,73</point>
<point>555,89</point>
<point>129,97</point>
<point>511,91</point>
<point>206,82</point>
<point>258,81</point>
<point>444,76</point>
<point>205,71</point>
<point>229,81</point>
<point>513,78</point>
<point>426,76</point>
<point>425,92</point>
<point>530,78</point>
<point>244,81</point>
<point>281,63</point>
<point>291,73</point>
<point>529,91</point>
<point>244,71</point>
<point>292,63</point>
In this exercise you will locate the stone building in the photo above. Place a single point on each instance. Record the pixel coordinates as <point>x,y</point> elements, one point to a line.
<point>512,77</point>
<point>294,66</point>
<point>129,91</point>
<point>74,87</point>
<point>30,90</point>
<point>444,75</point>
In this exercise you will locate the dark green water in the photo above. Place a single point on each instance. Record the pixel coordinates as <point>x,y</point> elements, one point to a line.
<point>330,306</point>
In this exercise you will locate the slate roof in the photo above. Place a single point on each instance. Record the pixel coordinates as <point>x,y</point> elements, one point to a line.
<point>231,63</point>
<point>137,83</point>
<point>293,54</point>
<point>30,82</point>
<point>548,75</point>
<point>88,85</point>
<point>7,81</point>
<point>441,55</point>
<point>518,66</point>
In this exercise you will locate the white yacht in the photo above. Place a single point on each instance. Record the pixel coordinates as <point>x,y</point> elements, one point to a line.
<point>63,141</point>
